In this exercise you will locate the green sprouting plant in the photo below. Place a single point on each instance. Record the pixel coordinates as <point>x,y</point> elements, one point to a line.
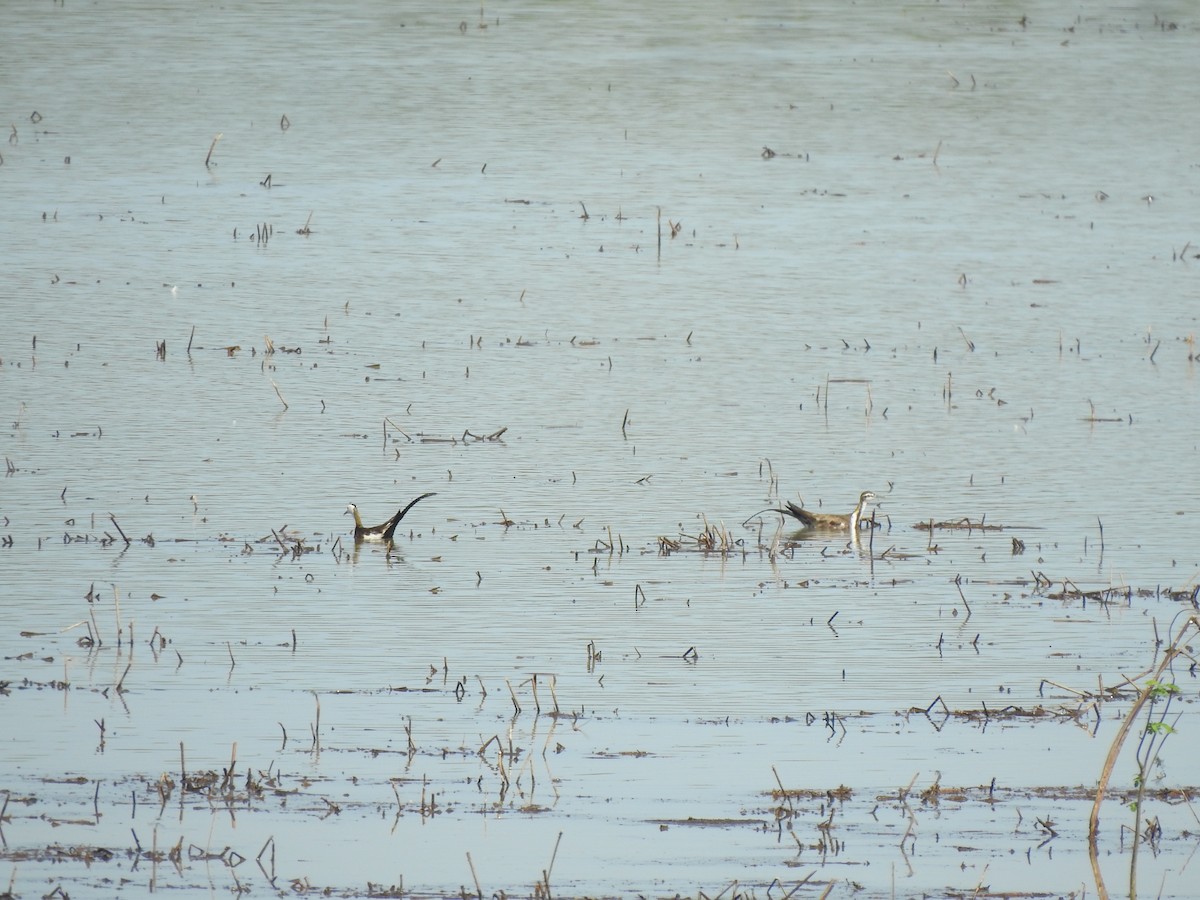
<point>1159,695</point>
<point>1154,697</point>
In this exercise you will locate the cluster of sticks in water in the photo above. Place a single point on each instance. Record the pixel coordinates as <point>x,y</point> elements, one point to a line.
<point>510,760</point>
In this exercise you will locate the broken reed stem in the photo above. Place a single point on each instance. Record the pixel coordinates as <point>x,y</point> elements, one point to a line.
<point>958,585</point>
<point>227,775</point>
<point>408,437</point>
<point>270,843</point>
<point>478,889</point>
<point>113,519</point>
<point>1063,687</point>
<point>783,794</point>
<point>488,743</point>
<point>316,728</point>
<point>212,148</point>
<point>117,612</point>
<point>550,868</point>
<point>93,629</point>
<point>128,666</point>
<point>279,395</point>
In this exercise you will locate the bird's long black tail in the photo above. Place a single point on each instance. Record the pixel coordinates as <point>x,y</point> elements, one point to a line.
<point>391,529</point>
<point>785,512</point>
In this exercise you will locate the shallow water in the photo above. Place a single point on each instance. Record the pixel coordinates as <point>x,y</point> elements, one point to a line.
<point>965,280</point>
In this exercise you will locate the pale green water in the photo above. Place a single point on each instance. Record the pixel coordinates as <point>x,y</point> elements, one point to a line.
<point>1014,239</point>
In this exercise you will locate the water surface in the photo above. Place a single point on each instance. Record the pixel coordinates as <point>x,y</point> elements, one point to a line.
<point>963,276</point>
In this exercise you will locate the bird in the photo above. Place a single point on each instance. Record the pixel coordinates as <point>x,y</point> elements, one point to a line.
<point>382,532</point>
<point>819,521</point>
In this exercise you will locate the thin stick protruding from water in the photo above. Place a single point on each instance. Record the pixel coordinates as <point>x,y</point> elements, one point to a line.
<point>386,422</point>
<point>478,889</point>
<point>119,687</point>
<point>550,868</point>
<point>212,148</point>
<point>279,395</point>
<point>783,794</point>
<point>958,584</point>
<point>270,844</point>
<point>117,612</point>
<point>316,728</point>
<point>113,519</point>
<point>227,781</point>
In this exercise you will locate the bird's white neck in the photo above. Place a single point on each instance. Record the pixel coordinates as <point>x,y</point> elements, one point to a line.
<point>856,516</point>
